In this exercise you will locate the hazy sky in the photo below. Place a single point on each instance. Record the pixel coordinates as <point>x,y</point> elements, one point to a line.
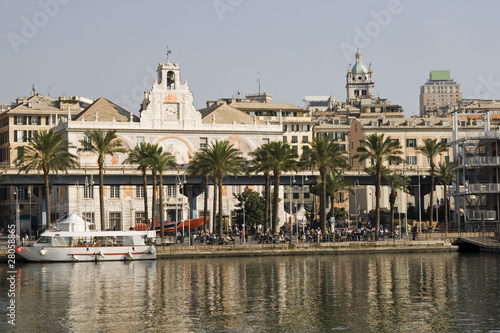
<point>112,48</point>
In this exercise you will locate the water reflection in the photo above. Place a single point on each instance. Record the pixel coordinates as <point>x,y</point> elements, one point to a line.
<point>360,293</point>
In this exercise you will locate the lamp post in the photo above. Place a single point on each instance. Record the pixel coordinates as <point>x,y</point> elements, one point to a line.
<point>29,194</point>
<point>176,207</point>
<point>356,210</point>
<point>244,227</point>
<point>18,227</point>
<point>419,205</point>
<point>303,206</point>
<point>292,179</point>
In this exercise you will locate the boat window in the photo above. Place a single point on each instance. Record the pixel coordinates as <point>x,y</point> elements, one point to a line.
<point>62,241</point>
<point>44,240</point>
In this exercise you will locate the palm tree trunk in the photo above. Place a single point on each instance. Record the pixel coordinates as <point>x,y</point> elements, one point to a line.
<point>47,199</point>
<point>267,189</point>
<point>214,213</point>
<point>153,203</point>
<point>162,231</point>
<point>145,184</point>
<point>377,202</point>
<point>392,202</point>
<point>220,207</point>
<point>322,202</point>
<point>275,202</point>
<point>446,210</point>
<point>101,196</point>
<point>205,203</point>
<point>431,197</point>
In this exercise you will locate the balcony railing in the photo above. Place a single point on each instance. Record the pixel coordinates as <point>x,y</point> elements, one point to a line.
<point>482,161</point>
<point>479,188</point>
<point>489,215</point>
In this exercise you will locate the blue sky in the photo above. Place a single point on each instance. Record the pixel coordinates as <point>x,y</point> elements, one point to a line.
<point>111,48</point>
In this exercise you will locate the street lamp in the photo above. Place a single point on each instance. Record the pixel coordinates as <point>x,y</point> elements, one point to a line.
<point>420,204</point>
<point>29,194</point>
<point>356,210</point>
<point>292,179</point>
<point>244,227</point>
<point>18,227</point>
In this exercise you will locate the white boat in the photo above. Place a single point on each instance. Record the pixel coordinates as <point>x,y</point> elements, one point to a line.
<point>73,244</point>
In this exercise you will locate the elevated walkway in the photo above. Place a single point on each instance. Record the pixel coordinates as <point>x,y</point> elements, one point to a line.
<point>478,244</point>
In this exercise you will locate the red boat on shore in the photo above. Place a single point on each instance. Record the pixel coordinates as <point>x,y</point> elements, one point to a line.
<point>170,227</point>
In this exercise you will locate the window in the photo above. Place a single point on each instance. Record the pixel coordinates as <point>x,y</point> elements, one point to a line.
<point>411,160</point>
<point>295,139</point>
<point>285,139</point>
<point>170,191</point>
<point>89,217</point>
<point>115,220</point>
<point>88,192</point>
<point>411,143</point>
<point>305,139</point>
<point>20,136</point>
<point>285,128</point>
<point>444,140</point>
<point>203,143</point>
<point>295,195</point>
<point>428,123</point>
<point>114,191</point>
<point>295,149</point>
<point>139,191</point>
<point>19,120</point>
<point>395,141</point>
<point>139,217</point>
<point>447,159</point>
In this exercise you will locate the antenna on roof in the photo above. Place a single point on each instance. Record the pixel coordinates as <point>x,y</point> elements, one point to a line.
<point>258,79</point>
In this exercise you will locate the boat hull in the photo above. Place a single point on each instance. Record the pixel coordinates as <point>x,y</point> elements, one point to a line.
<point>170,227</point>
<point>87,253</point>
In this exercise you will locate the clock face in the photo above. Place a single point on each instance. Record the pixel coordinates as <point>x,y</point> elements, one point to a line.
<point>171,110</point>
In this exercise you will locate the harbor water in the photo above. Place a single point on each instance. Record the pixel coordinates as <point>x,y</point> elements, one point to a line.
<point>431,292</point>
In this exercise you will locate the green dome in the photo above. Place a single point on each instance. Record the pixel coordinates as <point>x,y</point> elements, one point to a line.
<point>359,68</point>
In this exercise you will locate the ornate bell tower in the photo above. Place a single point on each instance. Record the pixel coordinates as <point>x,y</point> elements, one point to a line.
<point>359,82</point>
<point>169,100</point>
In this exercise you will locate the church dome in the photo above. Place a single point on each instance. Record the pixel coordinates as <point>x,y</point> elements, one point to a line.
<point>359,68</point>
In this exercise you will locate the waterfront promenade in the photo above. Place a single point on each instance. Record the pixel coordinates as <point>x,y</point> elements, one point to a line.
<point>426,243</point>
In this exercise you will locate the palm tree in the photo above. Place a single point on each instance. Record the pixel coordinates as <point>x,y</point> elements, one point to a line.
<point>200,167</point>
<point>282,158</point>
<point>335,182</point>
<point>222,159</point>
<point>47,152</point>
<point>261,164</point>
<point>432,148</point>
<point>101,143</point>
<point>378,149</point>
<point>325,155</point>
<point>162,161</point>
<point>445,173</point>
<point>396,182</point>
<point>141,155</point>
<point>153,151</point>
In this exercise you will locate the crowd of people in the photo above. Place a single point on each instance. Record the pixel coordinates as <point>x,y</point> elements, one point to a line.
<point>307,234</point>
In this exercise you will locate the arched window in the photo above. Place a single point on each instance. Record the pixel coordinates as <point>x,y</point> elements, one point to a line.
<point>170,80</point>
